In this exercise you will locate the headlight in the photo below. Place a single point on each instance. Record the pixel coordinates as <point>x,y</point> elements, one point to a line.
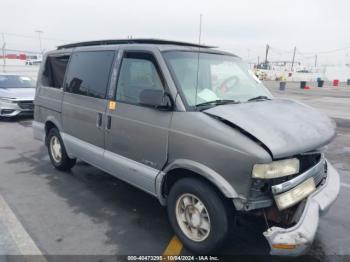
<point>6,100</point>
<point>295,195</point>
<point>276,169</point>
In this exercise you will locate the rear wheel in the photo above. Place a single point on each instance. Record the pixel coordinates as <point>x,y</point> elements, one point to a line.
<point>198,215</point>
<point>57,152</point>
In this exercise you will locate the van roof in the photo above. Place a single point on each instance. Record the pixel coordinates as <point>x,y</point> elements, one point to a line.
<point>162,45</point>
<point>132,41</point>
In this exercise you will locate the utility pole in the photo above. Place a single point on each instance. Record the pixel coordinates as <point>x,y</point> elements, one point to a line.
<point>315,61</point>
<point>295,49</point>
<point>248,55</point>
<point>3,52</point>
<point>39,32</point>
<point>258,60</point>
<point>267,52</point>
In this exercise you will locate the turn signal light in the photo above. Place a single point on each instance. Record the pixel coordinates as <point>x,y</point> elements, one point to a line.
<point>284,246</point>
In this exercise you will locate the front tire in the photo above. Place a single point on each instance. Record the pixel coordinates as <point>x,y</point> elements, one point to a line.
<point>198,215</point>
<point>57,151</point>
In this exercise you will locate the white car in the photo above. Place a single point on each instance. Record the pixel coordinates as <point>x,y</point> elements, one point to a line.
<point>16,95</point>
<point>33,62</point>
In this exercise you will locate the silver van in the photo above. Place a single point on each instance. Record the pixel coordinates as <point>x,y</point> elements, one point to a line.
<point>195,128</point>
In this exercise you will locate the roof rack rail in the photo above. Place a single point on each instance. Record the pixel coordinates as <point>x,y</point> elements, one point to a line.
<point>132,41</point>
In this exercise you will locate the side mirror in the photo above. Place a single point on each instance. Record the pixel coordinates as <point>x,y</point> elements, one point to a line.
<point>156,98</point>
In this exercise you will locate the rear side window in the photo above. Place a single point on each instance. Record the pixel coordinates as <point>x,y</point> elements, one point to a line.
<point>88,73</point>
<point>54,71</point>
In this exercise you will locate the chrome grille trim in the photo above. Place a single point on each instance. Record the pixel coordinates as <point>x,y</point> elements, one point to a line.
<point>316,169</point>
<point>318,178</point>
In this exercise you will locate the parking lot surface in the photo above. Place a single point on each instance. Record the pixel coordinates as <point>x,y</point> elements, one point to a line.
<point>88,212</point>
<point>333,101</point>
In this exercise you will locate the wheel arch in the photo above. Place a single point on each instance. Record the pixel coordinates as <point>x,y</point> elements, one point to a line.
<point>188,168</point>
<point>50,123</point>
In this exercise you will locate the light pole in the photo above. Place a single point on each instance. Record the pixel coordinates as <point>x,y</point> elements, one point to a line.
<point>3,52</point>
<point>39,32</point>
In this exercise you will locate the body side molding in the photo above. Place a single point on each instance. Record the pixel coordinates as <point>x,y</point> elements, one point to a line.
<point>128,170</point>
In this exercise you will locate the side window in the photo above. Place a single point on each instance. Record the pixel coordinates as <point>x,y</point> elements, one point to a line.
<point>54,71</point>
<point>88,73</point>
<point>139,71</point>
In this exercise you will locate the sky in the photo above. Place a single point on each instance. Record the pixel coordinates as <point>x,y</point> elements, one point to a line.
<point>241,27</point>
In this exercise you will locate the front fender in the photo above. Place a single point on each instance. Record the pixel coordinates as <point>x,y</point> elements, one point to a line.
<point>200,169</point>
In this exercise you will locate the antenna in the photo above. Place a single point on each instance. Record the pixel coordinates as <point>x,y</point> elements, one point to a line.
<point>199,49</point>
<point>200,29</point>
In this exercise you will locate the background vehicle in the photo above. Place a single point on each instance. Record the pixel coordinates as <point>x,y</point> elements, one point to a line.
<point>195,128</point>
<point>33,62</point>
<point>16,95</point>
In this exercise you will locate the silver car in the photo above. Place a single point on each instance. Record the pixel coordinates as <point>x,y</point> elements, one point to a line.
<point>16,95</point>
<point>195,128</point>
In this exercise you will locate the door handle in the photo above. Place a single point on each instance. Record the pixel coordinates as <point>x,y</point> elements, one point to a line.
<point>99,120</point>
<point>109,122</point>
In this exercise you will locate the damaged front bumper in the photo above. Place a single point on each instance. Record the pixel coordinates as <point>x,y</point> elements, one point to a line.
<point>296,240</point>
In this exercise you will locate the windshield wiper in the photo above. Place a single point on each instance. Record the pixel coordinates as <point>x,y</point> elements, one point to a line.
<point>259,98</point>
<point>218,102</point>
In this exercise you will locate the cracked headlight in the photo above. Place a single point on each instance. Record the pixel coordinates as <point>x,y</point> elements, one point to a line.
<point>276,169</point>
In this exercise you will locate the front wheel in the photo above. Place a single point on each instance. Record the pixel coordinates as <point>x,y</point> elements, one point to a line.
<point>57,151</point>
<point>198,215</point>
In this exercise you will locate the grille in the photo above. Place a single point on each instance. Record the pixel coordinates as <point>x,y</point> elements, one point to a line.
<point>319,177</point>
<point>6,111</point>
<point>26,105</point>
<point>308,160</point>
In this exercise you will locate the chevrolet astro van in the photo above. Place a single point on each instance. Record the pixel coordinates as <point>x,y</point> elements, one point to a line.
<point>195,128</point>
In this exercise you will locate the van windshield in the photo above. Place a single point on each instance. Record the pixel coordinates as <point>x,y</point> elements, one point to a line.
<point>217,78</point>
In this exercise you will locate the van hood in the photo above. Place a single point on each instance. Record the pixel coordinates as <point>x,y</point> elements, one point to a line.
<point>285,127</point>
<point>27,93</point>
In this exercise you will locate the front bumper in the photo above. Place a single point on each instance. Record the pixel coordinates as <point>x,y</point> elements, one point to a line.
<point>296,240</point>
<point>14,109</point>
